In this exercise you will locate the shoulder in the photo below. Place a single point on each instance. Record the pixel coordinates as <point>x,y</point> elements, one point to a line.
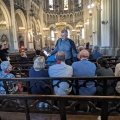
<point>52,67</point>
<point>68,66</point>
<point>75,63</point>
<point>118,65</point>
<point>10,75</point>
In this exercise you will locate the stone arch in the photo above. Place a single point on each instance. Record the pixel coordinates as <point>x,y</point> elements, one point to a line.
<point>22,16</point>
<point>52,25</point>
<point>35,23</point>
<point>38,21</point>
<point>6,14</point>
<point>68,25</point>
<point>80,23</point>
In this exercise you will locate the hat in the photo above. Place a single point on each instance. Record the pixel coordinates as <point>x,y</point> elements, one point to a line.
<point>37,52</point>
<point>4,65</point>
<point>96,48</point>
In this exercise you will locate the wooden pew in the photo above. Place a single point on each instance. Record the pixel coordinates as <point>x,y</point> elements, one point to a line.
<point>62,109</point>
<point>10,105</point>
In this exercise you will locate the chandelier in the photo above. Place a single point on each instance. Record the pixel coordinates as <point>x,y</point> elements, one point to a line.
<point>60,25</point>
<point>45,29</point>
<point>21,29</point>
<point>79,26</point>
<point>56,32</point>
<point>3,24</point>
<point>73,32</point>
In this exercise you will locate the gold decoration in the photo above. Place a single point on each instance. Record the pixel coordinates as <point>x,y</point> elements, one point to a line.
<point>60,25</point>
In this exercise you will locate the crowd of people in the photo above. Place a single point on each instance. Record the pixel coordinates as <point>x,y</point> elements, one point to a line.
<point>66,61</point>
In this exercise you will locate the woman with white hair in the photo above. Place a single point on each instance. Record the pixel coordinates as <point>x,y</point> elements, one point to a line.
<point>6,67</point>
<point>38,70</point>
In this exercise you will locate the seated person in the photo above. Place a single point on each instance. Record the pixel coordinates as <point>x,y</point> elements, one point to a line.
<point>80,48</point>
<point>60,69</point>
<point>23,58</point>
<point>5,73</point>
<point>117,70</point>
<point>104,70</point>
<point>37,55</point>
<point>3,56</point>
<point>38,71</point>
<point>96,54</point>
<point>117,74</point>
<point>84,68</point>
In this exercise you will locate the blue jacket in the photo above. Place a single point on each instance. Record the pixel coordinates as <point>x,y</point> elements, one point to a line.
<point>68,47</point>
<point>39,89</point>
<point>85,68</point>
<point>95,55</point>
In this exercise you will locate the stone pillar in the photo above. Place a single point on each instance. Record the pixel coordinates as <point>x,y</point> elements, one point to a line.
<point>105,25</point>
<point>42,24</point>
<point>94,26</point>
<point>29,34</point>
<point>86,17</point>
<point>13,34</point>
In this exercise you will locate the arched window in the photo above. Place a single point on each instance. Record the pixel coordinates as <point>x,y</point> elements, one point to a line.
<point>83,34</point>
<point>65,4</point>
<point>52,35</point>
<point>51,4</point>
<point>68,29</point>
<point>79,3</point>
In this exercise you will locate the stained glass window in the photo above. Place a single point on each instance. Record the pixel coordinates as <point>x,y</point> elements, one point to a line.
<point>65,4</point>
<point>51,4</point>
<point>79,3</point>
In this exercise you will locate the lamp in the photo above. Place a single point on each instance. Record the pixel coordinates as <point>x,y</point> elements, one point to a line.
<point>3,24</point>
<point>60,25</point>
<point>90,13</point>
<point>79,26</point>
<point>45,29</point>
<point>73,32</point>
<point>56,32</point>
<point>21,29</point>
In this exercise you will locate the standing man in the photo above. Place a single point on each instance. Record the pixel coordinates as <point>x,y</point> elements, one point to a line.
<point>67,46</point>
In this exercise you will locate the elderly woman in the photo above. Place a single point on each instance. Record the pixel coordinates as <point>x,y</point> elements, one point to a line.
<point>38,70</point>
<point>5,73</point>
<point>23,57</point>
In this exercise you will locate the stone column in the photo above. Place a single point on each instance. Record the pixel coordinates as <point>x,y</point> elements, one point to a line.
<point>29,34</point>
<point>13,34</point>
<point>94,26</point>
<point>86,17</point>
<point>42,24</point>
<point>105,25</point>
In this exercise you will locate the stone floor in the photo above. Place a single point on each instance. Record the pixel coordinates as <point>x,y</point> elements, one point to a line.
<point>21,116</point>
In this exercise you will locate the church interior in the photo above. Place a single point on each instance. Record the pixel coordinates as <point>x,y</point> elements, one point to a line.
<point>31,26</point>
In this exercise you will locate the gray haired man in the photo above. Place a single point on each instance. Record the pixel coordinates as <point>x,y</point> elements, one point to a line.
<point>67,46</point>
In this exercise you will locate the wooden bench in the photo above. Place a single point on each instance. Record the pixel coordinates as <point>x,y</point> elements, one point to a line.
<point>10,104</point>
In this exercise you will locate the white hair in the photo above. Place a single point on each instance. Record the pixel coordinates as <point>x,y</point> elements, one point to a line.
<point>39,63</point>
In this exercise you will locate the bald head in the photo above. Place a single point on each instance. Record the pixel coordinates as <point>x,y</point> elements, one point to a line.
<point>60,56</point>
<point>84,54</point>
